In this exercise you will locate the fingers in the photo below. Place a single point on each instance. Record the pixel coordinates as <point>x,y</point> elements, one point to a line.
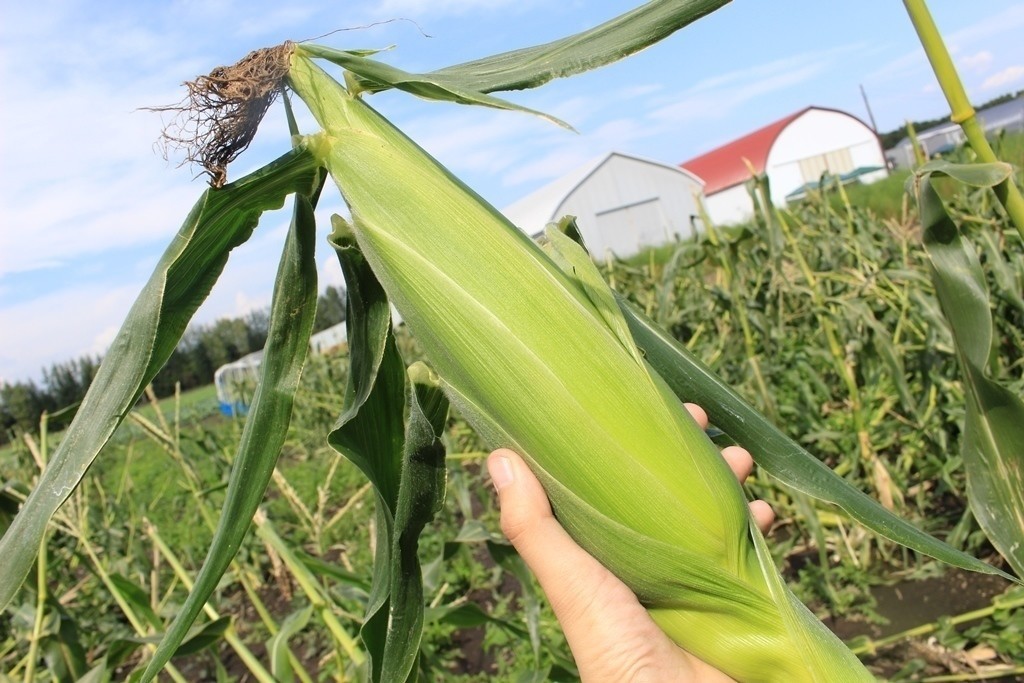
<point>740,461</point>
<point>742,464</point>
<point>527,521</point>
<point>698,414</point>
<point>763,515</point>
<point>549,552</point>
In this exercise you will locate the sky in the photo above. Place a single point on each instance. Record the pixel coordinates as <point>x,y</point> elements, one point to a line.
<point>88,202</point>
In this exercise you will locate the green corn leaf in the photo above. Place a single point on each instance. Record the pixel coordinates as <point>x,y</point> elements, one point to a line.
<point>277,646</point>
<point>199,639</point>
<point>137,597</point>
<point>534,66</point>
<point>773,451</point>
<point>993,440</point>
<point>291,323</point>
<point>422,85</point>
<point>506,557</point>
<point>220,221</point>
<point>390,428</point>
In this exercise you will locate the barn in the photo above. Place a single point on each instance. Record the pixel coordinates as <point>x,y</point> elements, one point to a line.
<point>794,152</point>
<point>622,203</point>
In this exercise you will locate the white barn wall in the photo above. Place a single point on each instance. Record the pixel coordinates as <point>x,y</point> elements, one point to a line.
<point>628,204</point>
<point>622,203</point>
<point>814,133</point>
<point>732,205</point>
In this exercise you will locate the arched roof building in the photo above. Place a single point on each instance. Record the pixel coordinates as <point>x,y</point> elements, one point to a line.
<point>794,151</point>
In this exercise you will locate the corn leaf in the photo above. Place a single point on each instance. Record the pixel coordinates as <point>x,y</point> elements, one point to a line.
<point>292,313</point>
<point>534,66</point>
<point>277,646</point>
<point>774,452</point>
<point>422,85</point>
<point>220,221</point>
<point>391,428</point>
<point>993,440</point>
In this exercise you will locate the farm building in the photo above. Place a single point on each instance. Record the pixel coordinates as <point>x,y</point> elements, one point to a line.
<point>622,203</point>
<point>236,381</point>
<point>1007,116</point>
<point>794,152</point>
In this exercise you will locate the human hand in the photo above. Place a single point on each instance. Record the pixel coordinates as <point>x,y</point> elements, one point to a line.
<point>609,632</point>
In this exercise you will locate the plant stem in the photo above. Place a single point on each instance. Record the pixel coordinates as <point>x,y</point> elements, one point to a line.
<point>37,625</point>
<point>230,635</point>
<point>962,112</point>
<point>871,646</point>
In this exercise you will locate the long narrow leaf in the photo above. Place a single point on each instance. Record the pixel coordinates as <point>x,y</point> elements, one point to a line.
<point>220,221</point>
<point>993,441</point>
<point>774,452</point>
<point>534,66</point>
<point>427,86</point>
<point>390,428</point>
<point>291,323</point>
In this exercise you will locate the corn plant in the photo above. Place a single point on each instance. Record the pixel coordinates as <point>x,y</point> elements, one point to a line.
<point>528,343</point>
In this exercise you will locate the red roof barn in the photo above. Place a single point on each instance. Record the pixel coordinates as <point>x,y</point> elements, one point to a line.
<point>794,151</point>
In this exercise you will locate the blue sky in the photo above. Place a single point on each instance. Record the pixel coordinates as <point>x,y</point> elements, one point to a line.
<point>88,202</point>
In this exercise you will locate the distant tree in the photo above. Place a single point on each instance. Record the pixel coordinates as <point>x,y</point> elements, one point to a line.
<point>330,308</point>
<point>21,405</point>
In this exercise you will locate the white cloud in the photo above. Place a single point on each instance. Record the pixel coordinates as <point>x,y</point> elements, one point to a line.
<point>716,97</point>
<point>1007,76</point>
<point>59,326</point>
<point>979,61</point>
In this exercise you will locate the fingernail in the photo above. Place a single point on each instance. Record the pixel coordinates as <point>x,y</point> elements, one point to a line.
<point>500,469</point>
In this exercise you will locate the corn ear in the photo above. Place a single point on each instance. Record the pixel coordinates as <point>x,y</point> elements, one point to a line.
<point>539,359</point>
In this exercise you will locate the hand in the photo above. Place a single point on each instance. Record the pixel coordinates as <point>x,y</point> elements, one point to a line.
<point>609,632</point>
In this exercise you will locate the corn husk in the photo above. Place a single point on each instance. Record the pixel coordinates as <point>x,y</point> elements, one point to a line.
<point>533,350</point>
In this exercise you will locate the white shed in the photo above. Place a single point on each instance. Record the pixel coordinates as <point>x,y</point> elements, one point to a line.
<point>622,204</point>
<point>794,152</point>
<point>1006,116</point>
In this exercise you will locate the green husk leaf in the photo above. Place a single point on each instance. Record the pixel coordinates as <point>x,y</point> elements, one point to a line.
<point>390,428</point>
<point>534,66</point>
<point>422,85</point>
<point>292,313</point>
<point>220,221</point>
<point>993,441</point>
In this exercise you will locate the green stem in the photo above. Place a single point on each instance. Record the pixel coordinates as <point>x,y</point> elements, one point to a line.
<point>307,582</point>
<point>37,625</point>
<point>250,660</point>
<point>872,646</point>
<point>982,676</point>
<point>962,111</point>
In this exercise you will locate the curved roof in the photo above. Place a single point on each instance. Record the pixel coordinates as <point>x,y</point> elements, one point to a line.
<point>542,205</point>
<point>726,166</point>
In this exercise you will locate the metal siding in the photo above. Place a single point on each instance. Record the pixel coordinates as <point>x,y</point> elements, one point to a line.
<point>621,182</point>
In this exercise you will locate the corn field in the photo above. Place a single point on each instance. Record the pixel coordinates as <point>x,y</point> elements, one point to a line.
<point>873,364</point>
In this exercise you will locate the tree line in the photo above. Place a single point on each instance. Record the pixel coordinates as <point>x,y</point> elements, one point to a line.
<point>202,349</point>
